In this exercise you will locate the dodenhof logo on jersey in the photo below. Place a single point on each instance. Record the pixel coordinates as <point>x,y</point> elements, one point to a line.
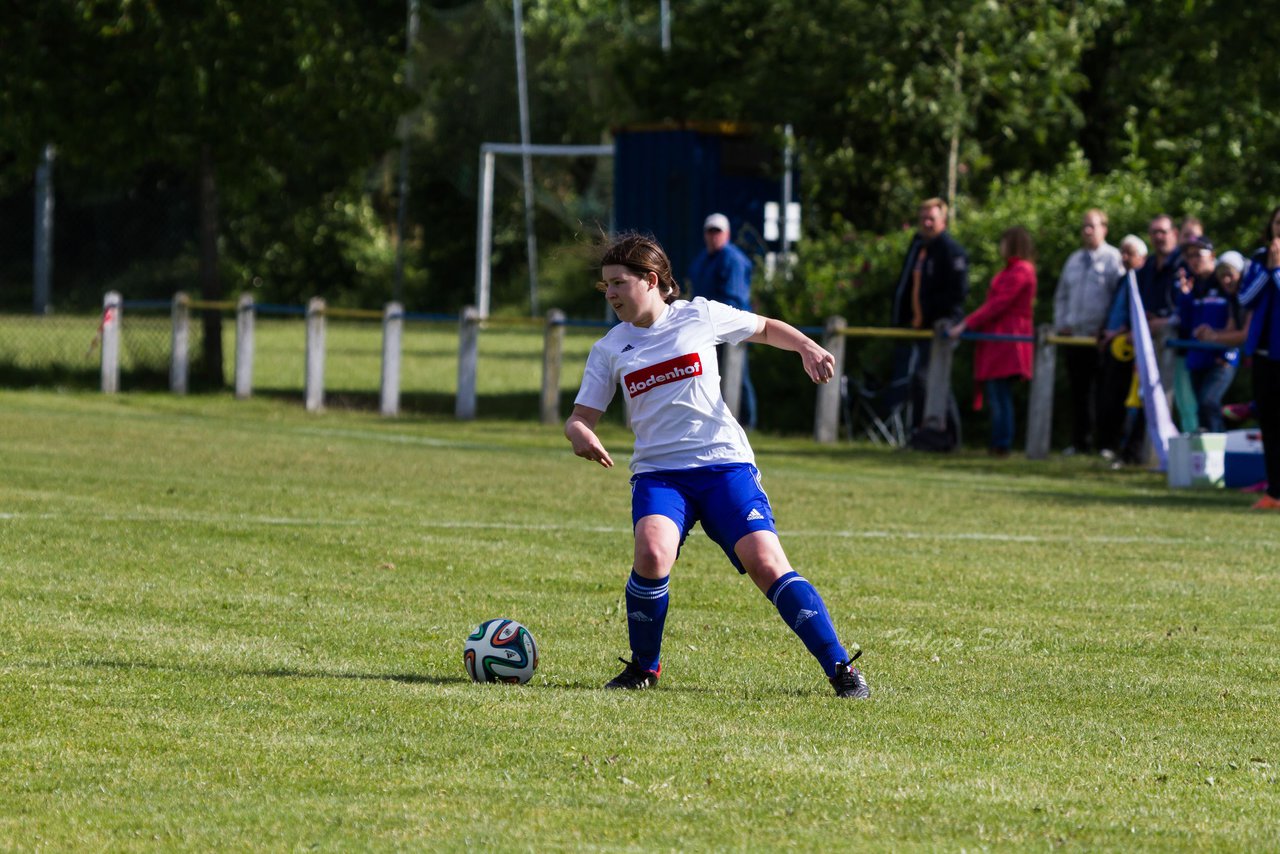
<point>679,368</point>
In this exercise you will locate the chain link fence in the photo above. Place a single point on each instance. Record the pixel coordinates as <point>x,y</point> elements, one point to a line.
<point>65,349</point>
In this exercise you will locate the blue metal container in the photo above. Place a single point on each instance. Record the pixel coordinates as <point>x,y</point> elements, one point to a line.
<point>668,178</point>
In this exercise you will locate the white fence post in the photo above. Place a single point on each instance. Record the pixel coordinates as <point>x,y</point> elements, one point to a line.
<point>735,356</point>
<point>244,346</point>
<point>314,394</point>
<point>468,358</point>
<point>826,419</point>
<point>552,357</point>
<point>180,349</point>
<point>1040,398</point>
<point>111,308</point>
<point>392,333</point>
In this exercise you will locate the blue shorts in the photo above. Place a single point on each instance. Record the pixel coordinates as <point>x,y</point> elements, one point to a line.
<point>727,499</point>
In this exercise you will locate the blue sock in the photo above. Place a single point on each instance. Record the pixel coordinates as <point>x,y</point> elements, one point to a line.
<point>803,610</point>
<point>646,615</point>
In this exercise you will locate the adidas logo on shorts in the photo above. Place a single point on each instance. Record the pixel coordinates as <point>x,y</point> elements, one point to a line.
<point>755,515</point>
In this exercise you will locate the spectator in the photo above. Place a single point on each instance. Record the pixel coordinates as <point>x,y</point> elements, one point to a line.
<point>1230,272</point>
<point>932,286</point>
<point>1189,230</point>
<point>722,272</point>
<point>1006,311</point>
<point>1157,282</point>
<point>1086,288</point>
<point>1207,306</point>
<point>1260,293</point>
<point>1117,362</point>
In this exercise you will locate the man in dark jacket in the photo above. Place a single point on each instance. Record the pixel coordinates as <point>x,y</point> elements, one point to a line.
<point>932,287</point>
<point>722,272</point>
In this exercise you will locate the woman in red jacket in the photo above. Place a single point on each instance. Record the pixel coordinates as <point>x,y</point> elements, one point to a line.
<point>1007,311</point>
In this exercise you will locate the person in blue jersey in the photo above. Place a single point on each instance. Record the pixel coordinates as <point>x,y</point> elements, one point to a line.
<point>722,273</point>
<point>692,461</point>
<point>1208,310</point>
<point>1260,295</point>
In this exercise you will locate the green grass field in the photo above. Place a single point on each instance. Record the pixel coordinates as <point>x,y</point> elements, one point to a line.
<point>230,625</point>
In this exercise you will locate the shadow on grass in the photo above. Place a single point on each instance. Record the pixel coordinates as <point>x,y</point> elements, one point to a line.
<point>506,406</point>
<point>1176,498</point>
<point>273,672</point>
<point>402,678</point>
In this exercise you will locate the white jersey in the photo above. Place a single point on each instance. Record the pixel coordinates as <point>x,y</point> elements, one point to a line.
<point>671,377</point>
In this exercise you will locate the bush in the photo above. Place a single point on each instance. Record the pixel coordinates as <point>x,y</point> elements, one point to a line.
<point>842,271</point>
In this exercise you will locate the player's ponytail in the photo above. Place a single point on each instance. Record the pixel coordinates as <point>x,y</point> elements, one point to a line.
<point>641,254</point>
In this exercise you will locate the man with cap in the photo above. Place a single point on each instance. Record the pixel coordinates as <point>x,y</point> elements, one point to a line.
<point>722,272</point>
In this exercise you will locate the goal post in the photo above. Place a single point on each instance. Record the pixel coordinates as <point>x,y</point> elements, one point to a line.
<point>484,214</point>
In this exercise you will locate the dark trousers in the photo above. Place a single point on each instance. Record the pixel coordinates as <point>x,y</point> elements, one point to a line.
<point>910,381</point>
<point>1266,396</point>
<point>1116,379</point>
<point>1000,402</point>
<point>1084,378</point>
<point>747,413</point>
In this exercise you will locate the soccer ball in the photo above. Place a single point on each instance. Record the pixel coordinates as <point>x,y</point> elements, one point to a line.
<point>500,651</point>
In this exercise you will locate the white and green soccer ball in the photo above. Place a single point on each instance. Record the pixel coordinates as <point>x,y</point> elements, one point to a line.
<point>500,650</point>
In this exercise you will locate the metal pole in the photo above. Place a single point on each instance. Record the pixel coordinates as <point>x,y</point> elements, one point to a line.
<point>531,239</point>
<point>484,232</point>
<point>666,26</point>
<point>786,199</point>
<point>42,267</point>
<point>402,213</point>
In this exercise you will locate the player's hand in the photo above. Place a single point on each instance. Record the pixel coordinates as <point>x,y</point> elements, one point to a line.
<point>1273,253</point>
<point>819,365</point>
<point>1206,332</point>
<point>1184,283</point>
<point>589,448</point>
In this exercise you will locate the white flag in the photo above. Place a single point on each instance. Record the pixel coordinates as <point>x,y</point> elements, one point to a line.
<point>1154,403</point>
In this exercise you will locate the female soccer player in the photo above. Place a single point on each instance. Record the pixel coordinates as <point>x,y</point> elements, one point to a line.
<point>692,462</point>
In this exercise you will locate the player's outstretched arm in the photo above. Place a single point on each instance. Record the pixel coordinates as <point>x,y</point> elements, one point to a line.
<point>580,430</point>
<point>818,363</point>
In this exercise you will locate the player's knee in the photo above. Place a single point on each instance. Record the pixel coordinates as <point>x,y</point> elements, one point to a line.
<point>653,560</point>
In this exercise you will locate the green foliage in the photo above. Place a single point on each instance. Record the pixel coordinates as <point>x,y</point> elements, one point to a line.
<point>853,274</point>
<point>299,100</point>
<point>1051,207</point>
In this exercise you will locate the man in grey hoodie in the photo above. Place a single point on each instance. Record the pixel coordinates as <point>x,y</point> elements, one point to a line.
<point>1085,291</point>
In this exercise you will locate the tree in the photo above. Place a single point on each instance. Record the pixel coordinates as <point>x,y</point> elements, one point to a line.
<point>257,101</point>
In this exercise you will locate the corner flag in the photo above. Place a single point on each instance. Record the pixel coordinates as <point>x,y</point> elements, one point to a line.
<point>1156,406</point>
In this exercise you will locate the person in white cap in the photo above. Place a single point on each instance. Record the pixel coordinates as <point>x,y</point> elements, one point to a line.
<point>722,272</point>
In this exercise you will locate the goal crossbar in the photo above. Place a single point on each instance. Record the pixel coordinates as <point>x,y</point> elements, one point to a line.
<point>484,215</point>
